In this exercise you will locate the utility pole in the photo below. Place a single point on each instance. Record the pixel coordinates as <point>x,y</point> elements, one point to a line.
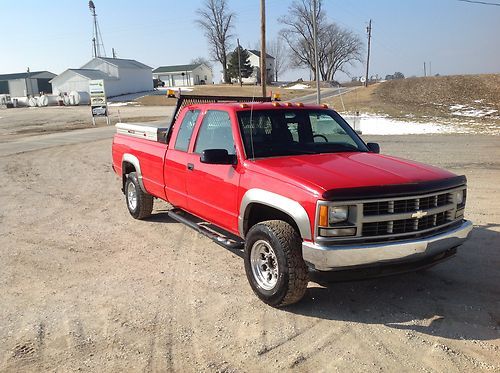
<point>114,53</point>
<point>316,59</point>
<point>369,31</point>
<point>430,68</point>
<point>425,70</point>
<point>239,62</point>
<point>263,71</point>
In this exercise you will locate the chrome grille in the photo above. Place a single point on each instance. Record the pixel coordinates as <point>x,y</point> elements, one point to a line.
<point>404,225</point>
<point>406,205</point>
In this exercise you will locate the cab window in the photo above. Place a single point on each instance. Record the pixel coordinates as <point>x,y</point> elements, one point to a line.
<point>186,130</point>
<point>215,132</point>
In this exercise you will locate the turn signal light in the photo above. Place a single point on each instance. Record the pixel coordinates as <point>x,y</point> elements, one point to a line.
<point>323,216</point>
<point>244,106</point>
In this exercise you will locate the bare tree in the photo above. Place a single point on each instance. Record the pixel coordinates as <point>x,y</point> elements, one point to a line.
<point>276,48</point>
<point>215,19</point>
<point>337,47</point>
<point>202,60</point>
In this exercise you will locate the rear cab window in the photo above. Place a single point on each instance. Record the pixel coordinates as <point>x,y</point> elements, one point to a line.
<point>186,130</point>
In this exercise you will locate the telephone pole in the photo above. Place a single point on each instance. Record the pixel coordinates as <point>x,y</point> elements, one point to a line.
<point>369,31</point>
<point>239,62</point>
<point>425,70</point>
<point>263,71</point>
<point>316,59</point>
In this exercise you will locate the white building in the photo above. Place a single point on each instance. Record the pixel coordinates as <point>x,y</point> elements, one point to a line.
<point>255,62</point>
<point>184,75</point>
<point>121,76</point>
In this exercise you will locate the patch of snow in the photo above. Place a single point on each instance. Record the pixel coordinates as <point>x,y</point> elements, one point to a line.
<point>378,125</point>
<point>476,113</point>
<point>123,103</point>
<point>183,89</point>
<point>298,86</point>
<point>457,107</point>
<point>478,101</point>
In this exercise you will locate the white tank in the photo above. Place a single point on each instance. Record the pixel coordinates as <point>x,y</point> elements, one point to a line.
<point>32,102</point>
<point>48,100</point>
<point>79,98</point>
<point>21,101</point>
<point>66,100</point>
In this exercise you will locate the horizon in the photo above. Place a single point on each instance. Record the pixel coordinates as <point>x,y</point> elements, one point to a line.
<point>454,37</point>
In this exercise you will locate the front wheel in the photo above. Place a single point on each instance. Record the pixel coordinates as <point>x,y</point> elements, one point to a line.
<point>139,203</point>
<point>273,263</point>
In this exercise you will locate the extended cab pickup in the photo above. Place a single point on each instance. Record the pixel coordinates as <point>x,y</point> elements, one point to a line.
<point>295,185</point>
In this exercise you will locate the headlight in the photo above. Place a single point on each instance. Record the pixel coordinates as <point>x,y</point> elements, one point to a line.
<point>337,214</point>
<point>460,197</point>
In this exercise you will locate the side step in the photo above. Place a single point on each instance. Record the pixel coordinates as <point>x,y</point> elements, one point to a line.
<point>216,234</point>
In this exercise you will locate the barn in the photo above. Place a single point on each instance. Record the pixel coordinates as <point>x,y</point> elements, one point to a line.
<point>184,75</point>
<point>121,76</point>
<point>27,83</point>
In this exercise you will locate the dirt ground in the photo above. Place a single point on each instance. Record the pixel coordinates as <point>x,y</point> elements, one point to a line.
<point>22,122</point>
<point>84,287</point>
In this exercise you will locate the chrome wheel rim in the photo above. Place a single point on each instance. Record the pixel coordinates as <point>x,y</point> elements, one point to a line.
<point>132,196</point>
<point>264,265</point>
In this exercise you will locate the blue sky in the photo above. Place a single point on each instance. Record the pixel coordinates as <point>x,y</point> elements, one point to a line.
<point>456,37</point>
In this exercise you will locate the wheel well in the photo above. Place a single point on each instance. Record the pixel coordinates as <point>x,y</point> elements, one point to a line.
<point>127,168</point>
<point>257,212</point>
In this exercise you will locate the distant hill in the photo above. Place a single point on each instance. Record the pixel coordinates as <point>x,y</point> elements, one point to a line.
<point>463,98</point>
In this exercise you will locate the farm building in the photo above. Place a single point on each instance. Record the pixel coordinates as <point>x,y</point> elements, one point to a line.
<point>121,76</point>
<point>28,83</point>
<point>184,75</point>
<point>255,62</point>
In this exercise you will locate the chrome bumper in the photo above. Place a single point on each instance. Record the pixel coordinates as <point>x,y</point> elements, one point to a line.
<point>327,258</point>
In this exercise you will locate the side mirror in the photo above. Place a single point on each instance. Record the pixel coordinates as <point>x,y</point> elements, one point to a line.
<point>217,156</point>
<point>373,147</point>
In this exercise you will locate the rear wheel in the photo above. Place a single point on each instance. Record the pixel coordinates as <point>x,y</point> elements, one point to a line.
<point>273,263</point>
<point>139,203</point>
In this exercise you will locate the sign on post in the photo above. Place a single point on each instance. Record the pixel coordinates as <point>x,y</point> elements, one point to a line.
<point>98,102</point>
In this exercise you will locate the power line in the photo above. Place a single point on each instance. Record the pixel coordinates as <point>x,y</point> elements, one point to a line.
<point>479,2</point>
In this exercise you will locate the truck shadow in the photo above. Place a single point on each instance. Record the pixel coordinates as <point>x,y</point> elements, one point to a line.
<point>457,299</point>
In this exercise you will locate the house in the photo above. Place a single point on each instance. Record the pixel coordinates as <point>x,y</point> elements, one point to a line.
<point>121,76</point>
<point>184,75</point>
<point>28,83</point>
<point>255,62</point>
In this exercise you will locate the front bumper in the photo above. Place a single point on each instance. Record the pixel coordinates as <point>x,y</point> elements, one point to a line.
<point>338,257</point>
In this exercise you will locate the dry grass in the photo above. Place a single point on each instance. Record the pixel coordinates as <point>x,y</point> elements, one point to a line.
<point>420,98</point>
<point>226,90</point>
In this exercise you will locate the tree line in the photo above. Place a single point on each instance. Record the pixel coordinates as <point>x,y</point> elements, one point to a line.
<point>338,47</point>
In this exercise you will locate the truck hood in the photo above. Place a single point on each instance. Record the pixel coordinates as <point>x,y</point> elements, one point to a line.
<point>324,172</point>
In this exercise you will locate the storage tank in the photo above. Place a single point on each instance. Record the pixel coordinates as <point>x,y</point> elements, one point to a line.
<point>48,100</point>
<point>32,102</point>
<point>79,98</point>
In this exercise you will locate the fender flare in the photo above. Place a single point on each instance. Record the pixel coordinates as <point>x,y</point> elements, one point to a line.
<point>132,159</point>
<point>279,202</point>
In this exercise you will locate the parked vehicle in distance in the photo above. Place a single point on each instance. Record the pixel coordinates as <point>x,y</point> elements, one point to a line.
<point>158,83</point>
<point>295,186</point>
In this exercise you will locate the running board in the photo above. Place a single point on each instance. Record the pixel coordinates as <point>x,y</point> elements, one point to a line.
<point>216,234</point>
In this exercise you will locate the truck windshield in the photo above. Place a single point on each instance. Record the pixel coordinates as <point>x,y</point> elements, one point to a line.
<point>271,133</point>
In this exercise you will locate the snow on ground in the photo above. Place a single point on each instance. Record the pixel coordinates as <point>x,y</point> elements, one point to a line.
<point>470,111</point>
<point>298,86</point>
<point>123,103</point>
<point>380,125</point>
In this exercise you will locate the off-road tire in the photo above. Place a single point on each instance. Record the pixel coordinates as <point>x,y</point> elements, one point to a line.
<point>292,275</point>
<point>144,204</point>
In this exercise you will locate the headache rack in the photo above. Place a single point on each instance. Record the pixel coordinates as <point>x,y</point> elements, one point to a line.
<point>186,100</point>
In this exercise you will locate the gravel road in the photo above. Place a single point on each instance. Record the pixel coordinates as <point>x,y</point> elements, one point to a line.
<point>84,287</point>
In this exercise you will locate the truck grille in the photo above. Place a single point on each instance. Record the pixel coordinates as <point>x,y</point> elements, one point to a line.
<point>407,215</point>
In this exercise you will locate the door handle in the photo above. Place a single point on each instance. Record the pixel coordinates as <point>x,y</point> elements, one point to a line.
<point>190,166</point>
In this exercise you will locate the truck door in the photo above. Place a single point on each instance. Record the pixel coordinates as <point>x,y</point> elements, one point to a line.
<point>177,158</point>
<point>212,188</point>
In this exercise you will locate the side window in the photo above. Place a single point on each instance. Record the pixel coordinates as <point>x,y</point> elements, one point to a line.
<point>215,132</point>
<point>186,130</point>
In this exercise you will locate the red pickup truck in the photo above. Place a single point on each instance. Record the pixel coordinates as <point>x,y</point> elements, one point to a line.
<point>295,186</point>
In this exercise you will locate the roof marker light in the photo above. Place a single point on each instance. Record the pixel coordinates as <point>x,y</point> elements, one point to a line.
<point>299,104</point>
<point>288,104</point>
<point>325,106</point>
<point>275,104</point>
<point>244,106</point>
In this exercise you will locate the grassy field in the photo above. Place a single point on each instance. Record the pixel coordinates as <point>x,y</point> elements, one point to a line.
<point>459,97</point>
<point>226,90</point>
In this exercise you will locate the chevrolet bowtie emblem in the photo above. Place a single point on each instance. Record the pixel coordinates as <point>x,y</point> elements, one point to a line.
<point>419,214</point>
